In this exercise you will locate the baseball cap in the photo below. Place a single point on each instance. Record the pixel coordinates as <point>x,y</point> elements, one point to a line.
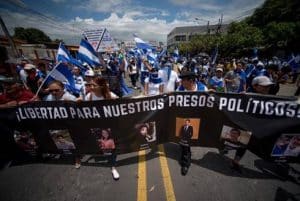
<point>29,66</point>
<point>89,73</point>
<point>219,69</point>
<point>187,74</point>
<point>262,81</point>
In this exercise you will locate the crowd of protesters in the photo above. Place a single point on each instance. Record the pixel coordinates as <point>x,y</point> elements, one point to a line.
<point>147,78</point>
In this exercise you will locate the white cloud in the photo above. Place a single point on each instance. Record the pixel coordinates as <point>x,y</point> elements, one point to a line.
<point>122,27</point>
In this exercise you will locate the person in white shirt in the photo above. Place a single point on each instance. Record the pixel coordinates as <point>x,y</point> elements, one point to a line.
<point>58,93</point>
<point>133,72</point>
<point>100,90</point>
<point>153,84</point>
<point>169,77</point>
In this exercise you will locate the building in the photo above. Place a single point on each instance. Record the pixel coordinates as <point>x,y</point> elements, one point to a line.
<point>184,34</point>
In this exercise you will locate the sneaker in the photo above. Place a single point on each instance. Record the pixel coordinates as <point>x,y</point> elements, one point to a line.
<point>115,174</point>
<point>77,165</point>
<point>184,170</point>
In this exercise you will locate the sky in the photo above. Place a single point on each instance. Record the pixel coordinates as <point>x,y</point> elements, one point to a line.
<point>151,20</point>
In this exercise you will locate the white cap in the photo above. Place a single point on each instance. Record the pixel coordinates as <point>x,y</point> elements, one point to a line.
<point>29,67</point>
<point>89,73</point>
<point>260,64</point>
<point>219,69</point>
<point>262,81</point>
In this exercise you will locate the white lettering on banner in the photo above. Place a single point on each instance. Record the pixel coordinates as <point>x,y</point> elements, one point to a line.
<point>188,100</point>
<point>278,108</point>
<point>132,108</point>
<point>231,104</point>
<point>84,113</point>
<point>42,113</point>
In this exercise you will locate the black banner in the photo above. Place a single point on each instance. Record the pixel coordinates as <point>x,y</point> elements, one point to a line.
<point>269,126</point>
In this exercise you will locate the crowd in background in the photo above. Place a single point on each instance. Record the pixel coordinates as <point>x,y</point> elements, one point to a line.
<point>143,77</point>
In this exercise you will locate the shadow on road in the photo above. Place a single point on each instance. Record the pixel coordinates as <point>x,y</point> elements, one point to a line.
<point>210,160</point>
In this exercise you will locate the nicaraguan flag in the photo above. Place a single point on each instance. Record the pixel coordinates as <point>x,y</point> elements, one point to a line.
<point>86,53</point>
<point>152,57</point>
<point>63,55</point>
<point>142,44</point>
<point>214,56</point>
<point>293,61</point>
<point>176,54</point>
<point>162,53</point>
<point>62,73</point>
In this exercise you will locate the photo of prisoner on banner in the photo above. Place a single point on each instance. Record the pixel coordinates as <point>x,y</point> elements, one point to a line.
<point>234,137</point>
<point>104,139</point>
<point>287,145</point>
<point>184,124</point>
<point>62,140</point>
<point>107,147</point>
<point>146,134</point>
<point>26,141</point>
<point>186,129</point>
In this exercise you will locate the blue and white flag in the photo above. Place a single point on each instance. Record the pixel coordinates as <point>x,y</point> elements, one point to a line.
<point>86,53</point>
<point>162,53</point>
<point>61,72</point>
<point>214,56</point>
<point>63,54</point>
<point>176,54</point>
<point>152,57</point>
<point>142,44</point>
<point>293,61</point>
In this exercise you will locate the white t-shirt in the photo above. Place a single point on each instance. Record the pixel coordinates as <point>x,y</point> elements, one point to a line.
<point>169,85</point>
<point>153,89</point>
<point>65,97</point>
<point>92,97</point>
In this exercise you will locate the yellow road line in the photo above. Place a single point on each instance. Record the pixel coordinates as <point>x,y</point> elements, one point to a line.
<point>170,195</point>
<point>142,177</point>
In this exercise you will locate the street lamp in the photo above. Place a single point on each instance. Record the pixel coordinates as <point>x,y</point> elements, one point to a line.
<point>198,19</point>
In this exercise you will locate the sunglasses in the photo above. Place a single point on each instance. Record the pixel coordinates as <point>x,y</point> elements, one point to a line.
<point>54,90</point>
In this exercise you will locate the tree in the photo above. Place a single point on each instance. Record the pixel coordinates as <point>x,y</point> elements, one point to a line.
<point>280,34</point>
<point>31,35</point>
<point>241,36</point>
<point>275,10</point>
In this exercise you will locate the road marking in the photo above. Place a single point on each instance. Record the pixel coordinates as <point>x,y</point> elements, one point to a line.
<point>142,177</point>
<point>170,195</point>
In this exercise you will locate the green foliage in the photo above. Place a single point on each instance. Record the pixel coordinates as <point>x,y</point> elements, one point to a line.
<point>280,33</point>
<point>276,24</point>
<point>276,11</point>
<point>31,35</point>
<point>241,35</point>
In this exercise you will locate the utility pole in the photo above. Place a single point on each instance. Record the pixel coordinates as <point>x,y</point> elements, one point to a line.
<point>10,40</point>
<point>208,30</point>
<point>218,31</point>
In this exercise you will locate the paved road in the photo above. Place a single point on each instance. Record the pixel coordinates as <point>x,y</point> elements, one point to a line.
<point>149,178</point>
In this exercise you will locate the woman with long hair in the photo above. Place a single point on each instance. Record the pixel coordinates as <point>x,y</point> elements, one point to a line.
<point>100,90</point>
